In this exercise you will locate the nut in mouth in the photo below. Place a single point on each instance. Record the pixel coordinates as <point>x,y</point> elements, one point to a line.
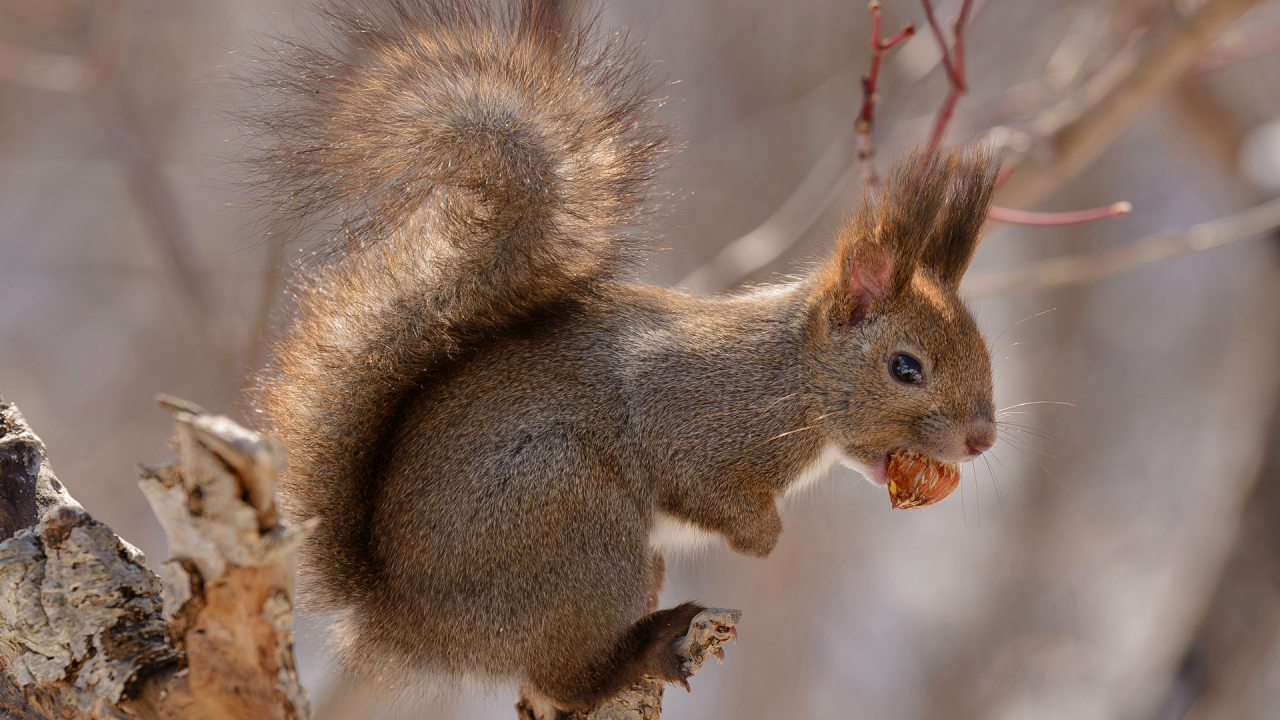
<point>916,480</point>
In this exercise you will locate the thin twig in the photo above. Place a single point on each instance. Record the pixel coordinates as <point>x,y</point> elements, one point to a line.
<point>955,77</point>
<point>866,116</point>
<point>953,61</point>
<point>1074,217</point>
<point>825,182</point>
<point>1077,269</point>
<point>829,176</point>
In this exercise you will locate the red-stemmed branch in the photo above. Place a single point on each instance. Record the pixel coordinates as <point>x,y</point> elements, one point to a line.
<point>953,64</point>
<point>1074,217</point>
<point>866,116</point>
<point>1099,109</point>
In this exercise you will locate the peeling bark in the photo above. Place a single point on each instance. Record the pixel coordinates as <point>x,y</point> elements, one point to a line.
<point>80,611</point>
<point>87,631</point>
<point>28,487</point>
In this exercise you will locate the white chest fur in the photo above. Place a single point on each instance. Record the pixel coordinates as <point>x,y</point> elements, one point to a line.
<point>814,472</point>
<point>674,535</point>
<point>671,534</point>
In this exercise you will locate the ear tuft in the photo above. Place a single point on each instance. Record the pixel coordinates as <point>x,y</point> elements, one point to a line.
<point>880,247</point>
<point>970,190</point>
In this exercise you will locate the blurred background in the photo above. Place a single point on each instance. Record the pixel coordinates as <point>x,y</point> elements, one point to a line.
<point>1119,557</point>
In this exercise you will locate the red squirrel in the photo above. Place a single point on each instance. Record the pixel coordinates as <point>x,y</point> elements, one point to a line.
<point>501,431</point>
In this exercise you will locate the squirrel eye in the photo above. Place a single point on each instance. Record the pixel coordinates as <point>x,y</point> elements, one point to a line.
<point>907,369</point>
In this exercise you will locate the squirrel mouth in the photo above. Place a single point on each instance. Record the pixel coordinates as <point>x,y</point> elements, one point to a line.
<point>915,480</point>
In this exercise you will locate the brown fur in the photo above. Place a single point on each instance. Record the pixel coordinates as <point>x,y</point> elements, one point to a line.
<point>487,420</point>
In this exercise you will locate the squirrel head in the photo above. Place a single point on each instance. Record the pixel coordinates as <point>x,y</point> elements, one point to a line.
<point>898,361</point>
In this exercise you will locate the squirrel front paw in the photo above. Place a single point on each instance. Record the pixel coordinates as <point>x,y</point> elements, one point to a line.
<point>759,536</point>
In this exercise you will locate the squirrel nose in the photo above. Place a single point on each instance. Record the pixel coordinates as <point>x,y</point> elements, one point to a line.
<point>980,440</point>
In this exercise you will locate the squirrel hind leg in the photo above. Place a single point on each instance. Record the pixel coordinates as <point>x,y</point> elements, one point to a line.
<point>649,647</point>
<point>657,654</point>
<point>534,705</point>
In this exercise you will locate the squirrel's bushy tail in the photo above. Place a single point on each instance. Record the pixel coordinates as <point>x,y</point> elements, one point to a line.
<point>485,166</point>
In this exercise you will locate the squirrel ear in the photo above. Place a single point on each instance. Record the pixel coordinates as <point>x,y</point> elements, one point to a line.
<point>871,272</point>
<point>879,249</point>
<point>867,277</point>
<point>958,232</point>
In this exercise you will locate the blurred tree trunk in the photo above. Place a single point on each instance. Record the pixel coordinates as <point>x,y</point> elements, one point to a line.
<point>1241,625</point>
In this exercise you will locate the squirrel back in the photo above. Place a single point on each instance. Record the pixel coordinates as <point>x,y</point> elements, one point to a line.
<point>487,168</point>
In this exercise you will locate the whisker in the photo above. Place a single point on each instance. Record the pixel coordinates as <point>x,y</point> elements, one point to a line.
<point>1024,342</point>
<point>1019,422</point>
<point>996,456</point>
<point>1032,317</point>
<point>768,407</point>
<point>1033,432</point>
<point>1024,444</point>
<point>977,501</point>
<point>1040,434</point>
<point>1038,402</point>
<point>996,485</point>
<point>789,432</point>
<point>1042,467</point>
<point>1074,454</point>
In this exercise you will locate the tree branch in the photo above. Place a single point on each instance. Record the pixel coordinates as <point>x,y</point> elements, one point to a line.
<point>1072,217</point>
<point>1077,269</point>
<point>1080,141</point>
<point>953,63</point>
<point>833,172</point>
<point>811,198</point>
<point>28,487</point>
<point>86,631</point>
<point>865,154</point>
<point>708,631</point>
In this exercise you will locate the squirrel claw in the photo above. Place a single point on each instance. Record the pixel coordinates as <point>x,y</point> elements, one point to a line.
<point>683,680</point>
